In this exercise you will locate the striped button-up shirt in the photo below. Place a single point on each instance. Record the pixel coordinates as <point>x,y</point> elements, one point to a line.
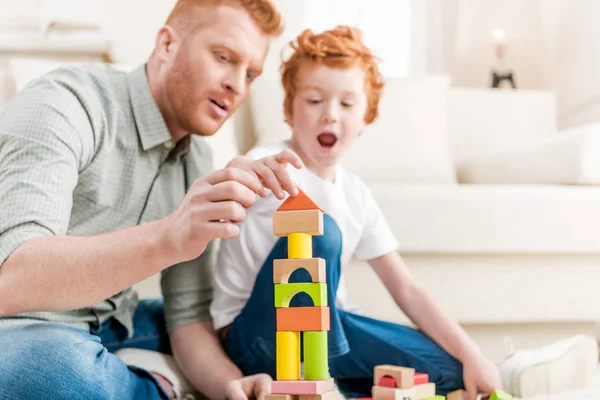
<point>84,151</point>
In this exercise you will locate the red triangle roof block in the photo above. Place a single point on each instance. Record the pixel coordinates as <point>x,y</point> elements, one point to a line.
<point>300,202</point>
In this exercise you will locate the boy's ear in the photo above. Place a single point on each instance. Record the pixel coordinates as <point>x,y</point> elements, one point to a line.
<point>288,119</point>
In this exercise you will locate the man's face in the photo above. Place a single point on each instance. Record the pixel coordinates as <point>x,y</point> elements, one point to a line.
<point>213,68</point>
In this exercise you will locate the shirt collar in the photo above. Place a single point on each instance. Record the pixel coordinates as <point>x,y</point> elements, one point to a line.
<point>151,126</point>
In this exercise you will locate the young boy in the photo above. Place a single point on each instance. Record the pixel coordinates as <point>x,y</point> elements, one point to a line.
<point>332,87</point>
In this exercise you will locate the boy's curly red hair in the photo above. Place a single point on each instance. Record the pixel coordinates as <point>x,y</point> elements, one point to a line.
<point>341,47</point>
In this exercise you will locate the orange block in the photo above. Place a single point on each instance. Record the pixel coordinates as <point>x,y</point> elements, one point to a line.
<point>302,319</point>
<point>300,202</point>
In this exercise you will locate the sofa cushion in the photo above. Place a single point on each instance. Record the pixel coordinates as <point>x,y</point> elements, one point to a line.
<point>407,143</point>
<point>482,122</point>
<point>525,219</point>
<point>572,158</point>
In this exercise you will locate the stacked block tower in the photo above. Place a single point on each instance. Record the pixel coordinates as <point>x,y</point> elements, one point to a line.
<point>299,219</point>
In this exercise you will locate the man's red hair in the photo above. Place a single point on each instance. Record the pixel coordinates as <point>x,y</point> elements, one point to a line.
<point>263,12</point>
<point>342,48</point>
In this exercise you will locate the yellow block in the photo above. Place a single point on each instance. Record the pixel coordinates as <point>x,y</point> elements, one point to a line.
<point>299,245</point>
<point>287,359</point>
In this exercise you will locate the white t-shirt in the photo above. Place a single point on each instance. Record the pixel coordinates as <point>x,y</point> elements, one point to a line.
<point>365,234</point>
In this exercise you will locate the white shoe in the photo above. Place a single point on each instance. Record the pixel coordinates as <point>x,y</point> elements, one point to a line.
<point>162,364</point>
<point>565,365</point>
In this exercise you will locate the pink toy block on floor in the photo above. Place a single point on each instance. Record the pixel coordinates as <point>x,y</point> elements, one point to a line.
<point>302,387</point>
<point>421,378</point>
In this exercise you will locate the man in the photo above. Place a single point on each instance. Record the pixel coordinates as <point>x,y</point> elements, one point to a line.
<point>95,165</point>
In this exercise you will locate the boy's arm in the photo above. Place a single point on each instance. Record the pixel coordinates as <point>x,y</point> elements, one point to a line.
<point>479,373</point>
<point>421,307</point>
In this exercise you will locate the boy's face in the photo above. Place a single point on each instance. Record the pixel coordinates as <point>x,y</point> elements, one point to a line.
<point>328,112</point>
<point>212,71</point>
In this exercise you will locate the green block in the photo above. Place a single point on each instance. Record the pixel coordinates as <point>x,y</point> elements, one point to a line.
<point>436,397</point>
<point>284,292</point>
<point>316,365</point>
<point>500,395</point>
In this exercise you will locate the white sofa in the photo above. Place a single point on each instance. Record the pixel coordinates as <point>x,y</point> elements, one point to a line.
<point>506,257</point>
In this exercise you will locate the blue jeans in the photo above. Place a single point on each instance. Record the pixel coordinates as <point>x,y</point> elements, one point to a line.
<point>55,361</point>
<point>356,343</point>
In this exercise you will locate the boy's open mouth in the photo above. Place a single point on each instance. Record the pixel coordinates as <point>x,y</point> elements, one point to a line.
<point>327,140</point>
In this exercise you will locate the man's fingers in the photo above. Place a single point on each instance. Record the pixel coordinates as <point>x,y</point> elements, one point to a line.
<point>236,391</point>
<point>262,385</point>
<point>235,174</point>
<point>283,177</point>
<point>288,156</point>
<point>270,179</point>
<point>231,191</point>
<point>224,210</point>
<point>222,230</point>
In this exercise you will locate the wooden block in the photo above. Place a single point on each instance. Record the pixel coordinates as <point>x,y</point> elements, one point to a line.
<point>302,386</point>
<point>299,245</point>
<point>457,395</point>
<point>300,202</point>
<point>383,393</point>
<point>301,319</point>
<point>282,269</point>
<point>284,293</point>
<point>425,390</point>
<point>388,381</point>
<point>331,395</point>
<point>281,397</point>
<point>404,377</point>
<point>421,378</point>
<point>287,358</point>
<point>434,397</point>
<point>316,358</point>
<point>500,395</point>
<point>302,221</point>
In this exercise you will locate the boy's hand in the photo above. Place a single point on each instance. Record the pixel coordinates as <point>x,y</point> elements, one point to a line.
<point>480,375</point>
<point>271,170</point>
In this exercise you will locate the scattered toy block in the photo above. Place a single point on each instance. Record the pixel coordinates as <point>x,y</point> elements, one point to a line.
<point>283,268</point>
<point>303,221</point>
<point>301,319</point>
<point>331,395</point>
<point>299,245</point>
<point>434,397</point>
<point>425,390</point>
<point>383,393</point>
<point>388,381</point>
<point>281,397</point>
<point>302,387</point>
<point>404,377</point>
<point>284,293</point>
<point>300,202</point>
<point>287,358</point>
<point>421,378</point>
<point>316,360</point>
<point>457,395</point>
<point>500,395</point>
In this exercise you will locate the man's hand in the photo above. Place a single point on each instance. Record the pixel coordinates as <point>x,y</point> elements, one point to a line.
<point>210,209</point>
<point>271,171</point>
<point>480,375</point>
<point>249,387</point>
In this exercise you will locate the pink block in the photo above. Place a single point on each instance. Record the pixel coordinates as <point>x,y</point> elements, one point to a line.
<point>302,387</point>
